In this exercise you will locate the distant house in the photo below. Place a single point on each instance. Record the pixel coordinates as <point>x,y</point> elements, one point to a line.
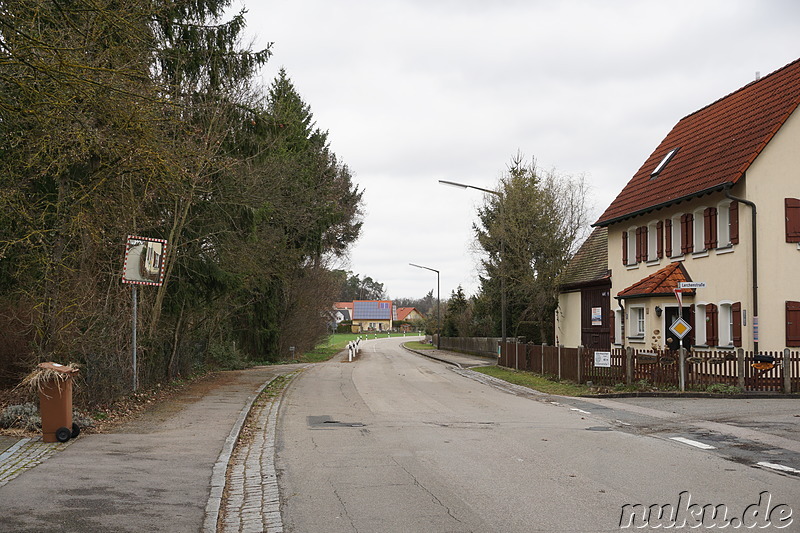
<point>717,202</point>
<point>373,315</point>
<point>409,314</point>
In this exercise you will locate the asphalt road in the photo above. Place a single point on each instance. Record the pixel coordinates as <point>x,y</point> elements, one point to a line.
<point>397,442</point>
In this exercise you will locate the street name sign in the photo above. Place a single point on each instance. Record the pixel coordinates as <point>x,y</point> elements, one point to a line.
<point>691,284</point>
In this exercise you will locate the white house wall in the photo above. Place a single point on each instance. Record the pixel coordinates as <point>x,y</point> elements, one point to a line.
<point>568,319</point>
<point>773,176</point>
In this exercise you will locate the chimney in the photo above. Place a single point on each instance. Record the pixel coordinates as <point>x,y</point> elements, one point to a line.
<point>758,75</point>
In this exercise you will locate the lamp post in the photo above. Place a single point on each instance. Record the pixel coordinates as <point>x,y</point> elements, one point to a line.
<point>438,306</point>
<point>502,252</point>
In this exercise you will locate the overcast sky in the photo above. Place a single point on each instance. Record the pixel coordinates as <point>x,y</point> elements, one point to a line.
<point>413,91</point>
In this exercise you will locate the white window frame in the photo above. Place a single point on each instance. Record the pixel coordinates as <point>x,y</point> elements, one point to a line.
<point>632,246</point>
<point>676,236</point>
<point>700,323</point>
<point>619,326</point>
<point>638,322</point>
<point>652,242</point>
<point>699,230</point>
<point>724,225</point>
<point>725,323</point>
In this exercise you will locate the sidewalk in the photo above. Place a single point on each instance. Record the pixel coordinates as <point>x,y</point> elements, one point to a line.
<point>152,474</point>
<point>460,360</point>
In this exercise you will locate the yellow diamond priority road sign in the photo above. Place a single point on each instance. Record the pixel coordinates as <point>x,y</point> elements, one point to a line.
<point>680,328</point>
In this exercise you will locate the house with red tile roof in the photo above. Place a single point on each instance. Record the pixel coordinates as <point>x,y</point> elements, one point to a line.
<point>409,314</point>
<point>716,204</point>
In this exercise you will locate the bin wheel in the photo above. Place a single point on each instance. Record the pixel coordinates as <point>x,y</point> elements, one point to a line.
<point>63,434</point>
<point>76,430</point>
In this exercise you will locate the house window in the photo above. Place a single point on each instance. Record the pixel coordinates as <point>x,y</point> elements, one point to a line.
<point>724,225</point>
<point>700,318</point>
<point>725,325</point>
<point>632,257</point>
<point>792,209</point>
<point>660,167</point>
<point>655,238</point>
<point>698,231</point>
<point>674,236</point>
<point>637,322</point>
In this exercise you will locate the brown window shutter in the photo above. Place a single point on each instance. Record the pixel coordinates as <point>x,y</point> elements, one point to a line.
<point>660,239</point>
<point>736,318</point>
<point>710,227</point>
<point>712,337</point>
<point>638,244</point>
<point>792,219</point>
<point>668,237</point>
<point>687,233</point>
<point>644,245</point>
<point>792,323</point>
<point>624,247</point>
<point>733,221</point>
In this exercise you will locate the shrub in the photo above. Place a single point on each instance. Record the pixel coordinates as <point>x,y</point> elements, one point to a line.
<point>723,388</point>
<point>225,356</point>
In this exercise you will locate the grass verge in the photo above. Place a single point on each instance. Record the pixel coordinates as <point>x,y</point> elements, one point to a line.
<point>534,381</point>
<point>416,345</point>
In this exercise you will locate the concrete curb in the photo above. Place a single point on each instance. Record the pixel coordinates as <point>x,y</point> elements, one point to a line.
<point>219,472</point>
<point>431,356</point>
<point>220,469</point>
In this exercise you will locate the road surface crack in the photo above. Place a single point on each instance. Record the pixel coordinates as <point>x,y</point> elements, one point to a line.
<point>434,498</point>
<point>344,507</point>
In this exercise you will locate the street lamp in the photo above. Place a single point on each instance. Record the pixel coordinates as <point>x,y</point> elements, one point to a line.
<point>502,252</point>
<point>438,306</point>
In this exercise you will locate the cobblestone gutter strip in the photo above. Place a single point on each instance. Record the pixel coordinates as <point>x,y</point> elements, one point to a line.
<point>25,454</point>
<point>244,495</point>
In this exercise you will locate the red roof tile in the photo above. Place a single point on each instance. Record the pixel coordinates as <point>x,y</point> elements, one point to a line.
<point>661,283</point>
<point>717,144</point>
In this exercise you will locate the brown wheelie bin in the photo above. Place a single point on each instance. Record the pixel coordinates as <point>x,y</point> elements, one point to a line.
<point>55,404</point>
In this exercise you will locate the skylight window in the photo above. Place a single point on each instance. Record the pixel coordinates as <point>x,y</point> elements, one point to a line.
<point>664,162</point>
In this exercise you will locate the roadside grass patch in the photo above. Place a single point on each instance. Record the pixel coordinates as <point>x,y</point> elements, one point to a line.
<point>416,345</point>
<point>534,381</point>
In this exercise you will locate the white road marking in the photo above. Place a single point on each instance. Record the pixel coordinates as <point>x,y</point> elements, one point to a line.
<point>775,466</point>
<point>580,411</point>
<point>696,444</point>
<point>621,422</point>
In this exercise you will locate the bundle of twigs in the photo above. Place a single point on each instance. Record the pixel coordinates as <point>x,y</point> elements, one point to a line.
<point>47,373</point>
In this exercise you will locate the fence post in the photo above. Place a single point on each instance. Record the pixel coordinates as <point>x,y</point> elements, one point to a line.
<point>541,353</point>
<point>629,366</point>
<point>740,367</point>
<point>559,362</point>
<point>516,354</point>
<point>580,365</point>
<point>787,371</point>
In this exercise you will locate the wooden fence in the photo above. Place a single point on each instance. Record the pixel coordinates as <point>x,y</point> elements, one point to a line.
<point>660,368</point>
